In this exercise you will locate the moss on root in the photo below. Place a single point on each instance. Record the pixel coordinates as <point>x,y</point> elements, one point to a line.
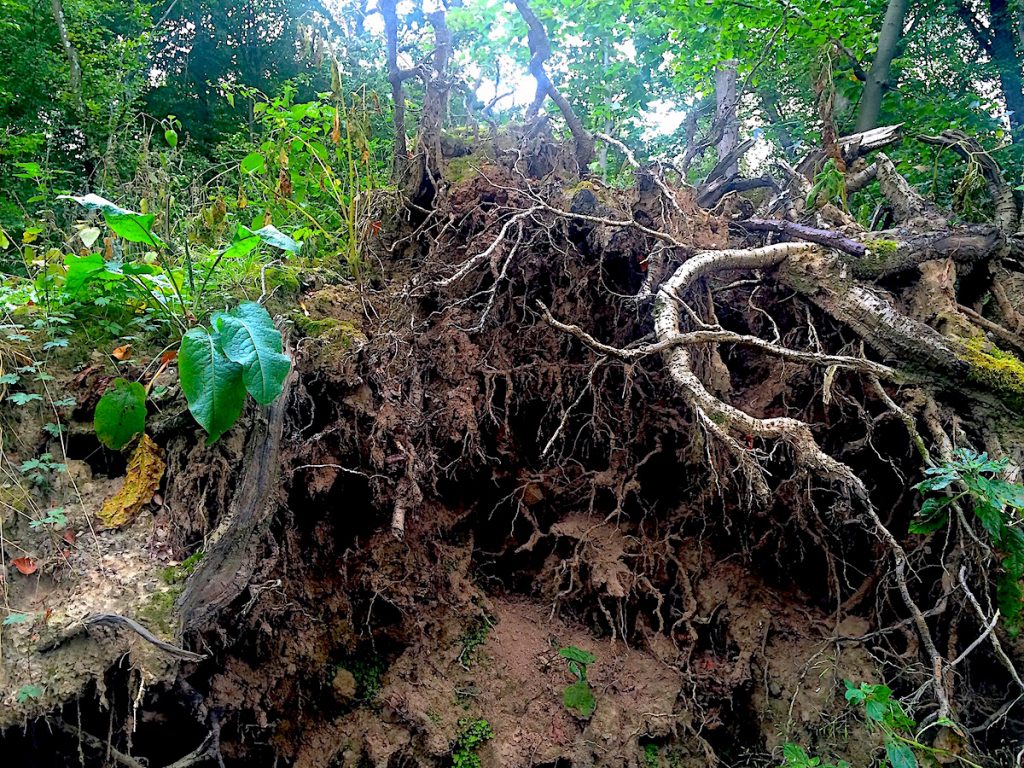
<point>995,369</point>
<point>157,612</point>
<point>341,332</point>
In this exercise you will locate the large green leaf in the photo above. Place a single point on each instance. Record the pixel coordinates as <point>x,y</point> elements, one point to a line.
<point>80,269</point>
<point>271,235</point>
<point>253,163</point>
<point>246,239</point>
<point>211,382</point>
<point>132,226</point>
<point>248,337</point>
<point>120,413</point>
<point>899,755</point>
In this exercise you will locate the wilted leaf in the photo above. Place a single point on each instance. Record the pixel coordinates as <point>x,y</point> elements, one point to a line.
<point>145,469</point>
<point>123,352</point>
<point>26,565</point>
<point>89,235</point>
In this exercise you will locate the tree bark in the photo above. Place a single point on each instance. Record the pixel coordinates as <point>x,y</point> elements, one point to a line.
<point>435,102</point>
<point>878,76</point>
<point>540,51</point>
<point>397,77</point>
<point>74,64</point>
<point>725,99</point>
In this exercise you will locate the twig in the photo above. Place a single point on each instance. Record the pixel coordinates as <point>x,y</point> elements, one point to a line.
<point>991,635</point>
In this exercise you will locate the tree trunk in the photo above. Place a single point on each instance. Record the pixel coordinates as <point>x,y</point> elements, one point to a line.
<point>75,77</point>
<point>1004,52</point>
<point>725,98</point>
<point>878,76</point>
<point>397,79</point>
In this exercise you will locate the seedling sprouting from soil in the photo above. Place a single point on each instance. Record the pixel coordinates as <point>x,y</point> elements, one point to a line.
<point>578,697</point>
<point>472,735</point>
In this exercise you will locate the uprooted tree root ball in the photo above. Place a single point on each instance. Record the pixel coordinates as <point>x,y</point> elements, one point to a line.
<point>559,473</point>
<point>580,417</point>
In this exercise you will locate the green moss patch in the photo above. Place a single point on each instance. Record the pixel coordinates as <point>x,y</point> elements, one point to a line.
<point>995,370</point>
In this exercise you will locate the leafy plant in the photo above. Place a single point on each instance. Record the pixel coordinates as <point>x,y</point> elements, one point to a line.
<point>241,352</point>
<point>472,735</point>
<point>578,697</point>
<point>39,471</point>
<point>55,517</point>
<point>368,672</point>
<point>887,714</point>
<point>175,291</point>
<point>976,480</point>
<point>829,184</point>
<point>794,756</point>
<point>474,636</point>
<point>651,756</point>
<point>27,692</point>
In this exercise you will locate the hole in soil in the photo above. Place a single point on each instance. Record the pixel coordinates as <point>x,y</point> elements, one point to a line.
<point>85,446</point>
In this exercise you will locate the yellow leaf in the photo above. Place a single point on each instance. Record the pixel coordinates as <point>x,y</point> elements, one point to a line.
<point>145,469</point>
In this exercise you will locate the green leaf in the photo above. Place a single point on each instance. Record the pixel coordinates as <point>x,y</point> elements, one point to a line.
<point>580,698</point>
<point>243,242</point>
<point>899,755</point>
<point>29,692</point>
<point>275,237</point>
<point>20,398</point>
<point>171,137</point>
<point>991,518</point>
<point>577,654</point>
<point>932,517</point>
<point>211,382</point>
<point>248,337</point>
<point>133,227</point>
<point>875,710</point>
<point>80,269</point>
<point>246,239</point>
<point>253,163</point>
<point>120,413</point>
